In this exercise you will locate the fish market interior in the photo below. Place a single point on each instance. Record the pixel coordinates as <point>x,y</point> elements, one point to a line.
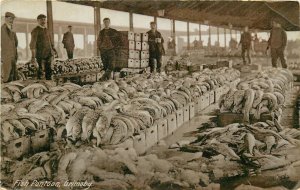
<point>158,95</point>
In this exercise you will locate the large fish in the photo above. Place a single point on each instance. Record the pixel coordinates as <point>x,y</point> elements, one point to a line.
<point>270,142</point>
<point>249,97</point>
<point>249,141</point>
<point>74,123</point>
<point>258,98</point>
<point>88,123</point>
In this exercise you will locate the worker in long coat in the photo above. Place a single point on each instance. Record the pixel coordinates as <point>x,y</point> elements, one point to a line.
<point>68,41</point>
<point>9,54</point>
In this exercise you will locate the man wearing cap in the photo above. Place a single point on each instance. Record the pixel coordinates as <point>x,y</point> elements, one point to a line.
<point>68,41</point>
<point>9,54</point>
<point>156,48</point>
<point>277,42</point>
<point>108,41</point>
<point>42,48</point>
<point>246,44</point>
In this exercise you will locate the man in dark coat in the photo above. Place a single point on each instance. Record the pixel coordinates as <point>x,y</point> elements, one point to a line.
<point>42,48</point>
<point>277,42</point>
<point>246,44</point>
<point>9,54</point>
<point>108,41</point>
<point>68,41</point>
<point>156,48</point>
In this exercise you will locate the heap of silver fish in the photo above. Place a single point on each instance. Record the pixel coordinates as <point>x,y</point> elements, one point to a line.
<point>258,94</point>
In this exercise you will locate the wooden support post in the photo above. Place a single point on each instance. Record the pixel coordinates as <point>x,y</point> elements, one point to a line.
<point>97,28</point>
<point>50,18</point>
<point>188,35</point>
<point>218,33</point>
<point>131,21</point>
<point>155,20</point>
<point>209,36</point>
<point>27,41</point>
<point>236,35</point>
<point>59,48</point>
<point>200,39</point>
<point>85,41</point>
<point>225,37</point>
<point>173,34</point>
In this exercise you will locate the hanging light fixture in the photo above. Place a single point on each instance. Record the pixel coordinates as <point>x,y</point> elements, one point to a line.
<point>161,12</point>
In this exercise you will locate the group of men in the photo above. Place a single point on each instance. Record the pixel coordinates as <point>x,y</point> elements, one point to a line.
<point>277,43</point>
<point>41,46</point>
<point>109,40</point>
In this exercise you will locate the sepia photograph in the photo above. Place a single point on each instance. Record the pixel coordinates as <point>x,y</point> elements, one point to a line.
<point>150,95</point>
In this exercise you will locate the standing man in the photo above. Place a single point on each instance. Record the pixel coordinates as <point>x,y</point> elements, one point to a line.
<point>9,54</point>
<point>246,44</point>
<point>277,42</point>
<point>68,41</point>
<point>108,41</point>
<point>42,48</point>
<point>156,48</point>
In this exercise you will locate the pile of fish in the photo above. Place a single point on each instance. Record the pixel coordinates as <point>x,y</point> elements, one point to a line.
<point>79,65</point>
<point>103,169</point>
<point>247,148</point>
<point>17,90</point>
<point>257,94</point>
<point>133,105</point>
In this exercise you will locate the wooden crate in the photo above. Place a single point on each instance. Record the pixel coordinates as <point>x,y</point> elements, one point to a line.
<point>179,118</point>
<point>144,37</point>
<point>229,118</point>
<point>127,35</point>
<point>139,143</point>
<point>17,148</point>
<point>192,109</point>
<point>40,141</point>
<point>151,136</point>
<point>162,128</point>
<point>145,46</point>
<point>211,97</point>
<point>186,113</point>
<point>138,46</point>
<point>137,37</point>
<point>172,123</point>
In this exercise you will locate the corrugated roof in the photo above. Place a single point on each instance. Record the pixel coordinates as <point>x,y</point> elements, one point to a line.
<point>255,14</point>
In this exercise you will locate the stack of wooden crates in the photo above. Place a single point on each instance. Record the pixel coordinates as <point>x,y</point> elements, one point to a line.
<point>134,52</point>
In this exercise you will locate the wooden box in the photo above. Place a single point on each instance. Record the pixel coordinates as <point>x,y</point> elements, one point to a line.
<point>17,148</point>
<point>139,143</point>
<point>172,123</point>
<point>179,118</point>
<point>137,54</point>
<point>137,37</point>
<point>211,97</point>
<point>144,37</point>
<point>151,136</point>
<point>131,63</point>
<point>186,113</point>
<point>145,55</point>
<point>144,63</point>
<point>192,110</point>
<point>145,46</point>
<point>40,141</point>
<point>229,118</point>
<point>127,35</point>
<point>138,46</point>
<point>162,128</point>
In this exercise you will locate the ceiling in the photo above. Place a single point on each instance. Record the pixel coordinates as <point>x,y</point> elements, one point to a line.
<point>255,14</point>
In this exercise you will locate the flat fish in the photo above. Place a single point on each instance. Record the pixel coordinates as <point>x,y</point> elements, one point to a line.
<point>88,123</point>
<point>258,98</point>
<point>249,97</point>
<point>270,142</point>
<point>249,141</point>
<point>73,125</point>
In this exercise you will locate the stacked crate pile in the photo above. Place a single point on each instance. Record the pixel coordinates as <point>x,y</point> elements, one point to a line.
<point>134,51</point>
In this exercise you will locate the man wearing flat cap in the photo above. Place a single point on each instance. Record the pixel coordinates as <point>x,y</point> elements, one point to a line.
<point>156,48</point>
<point>277,42</point>
<point>9,54</point>
<point>42,48</point>
<point>68,41</point>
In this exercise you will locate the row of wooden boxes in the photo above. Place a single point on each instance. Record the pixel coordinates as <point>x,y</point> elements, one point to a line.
<point>166,126</point>
<point>30,144</point>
